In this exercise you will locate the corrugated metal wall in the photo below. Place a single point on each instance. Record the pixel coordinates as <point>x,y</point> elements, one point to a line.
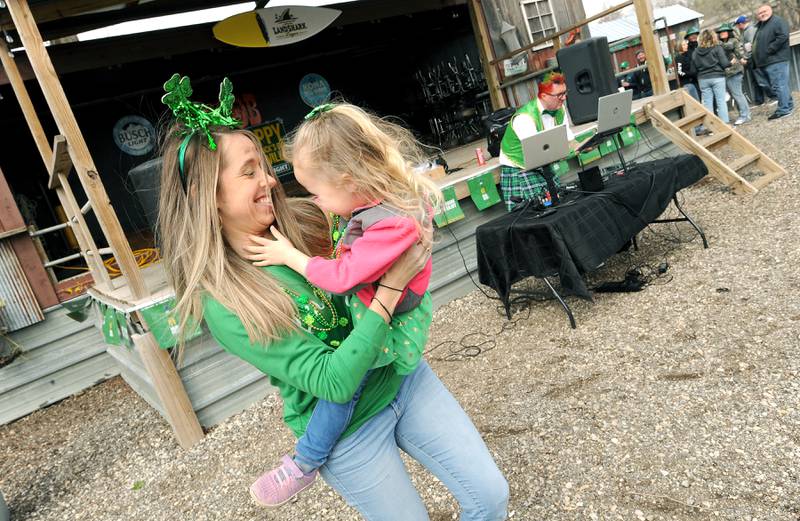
<point>58,357</point>
<point>18,305</point>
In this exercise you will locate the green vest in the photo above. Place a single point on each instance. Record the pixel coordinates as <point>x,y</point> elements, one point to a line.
<point>511,145</point>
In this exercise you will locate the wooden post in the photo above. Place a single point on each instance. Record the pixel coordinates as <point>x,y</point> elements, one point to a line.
<point>168,386</point>
<point>655,62</point>
<point>485,49</point>
<point>78,150</point>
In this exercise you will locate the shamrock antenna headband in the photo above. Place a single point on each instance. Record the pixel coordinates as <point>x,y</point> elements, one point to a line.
<point>197,117</point>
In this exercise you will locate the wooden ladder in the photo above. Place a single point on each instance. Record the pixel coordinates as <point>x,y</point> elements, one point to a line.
<point>681,132</point>
<point>59,168</point>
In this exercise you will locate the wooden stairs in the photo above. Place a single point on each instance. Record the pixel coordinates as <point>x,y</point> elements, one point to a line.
<point>681,132</point>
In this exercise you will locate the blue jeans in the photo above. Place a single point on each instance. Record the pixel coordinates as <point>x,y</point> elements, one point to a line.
<point>734,84</point>
<point>327,423</point>
<point>712,91</point>
<point>778,74</point>
<point>692,90</point>
<point>427,423</point>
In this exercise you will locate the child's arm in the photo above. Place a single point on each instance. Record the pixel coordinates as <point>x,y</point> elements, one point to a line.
<point>267,252</point>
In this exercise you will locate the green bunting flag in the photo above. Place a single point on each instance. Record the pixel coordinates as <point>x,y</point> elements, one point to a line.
<point>163,323</point>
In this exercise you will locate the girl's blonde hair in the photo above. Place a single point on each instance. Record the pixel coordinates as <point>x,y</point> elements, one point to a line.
<point>708,38</point>
<point>198,260</point>
<point>379,156</point>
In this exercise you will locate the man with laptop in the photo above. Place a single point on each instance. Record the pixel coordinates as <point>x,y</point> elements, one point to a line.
<point>538,135</point>
<point>519,184</point>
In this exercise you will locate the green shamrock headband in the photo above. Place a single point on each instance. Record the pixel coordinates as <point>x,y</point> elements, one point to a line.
<point>197,117</point>
<point>319,109</point>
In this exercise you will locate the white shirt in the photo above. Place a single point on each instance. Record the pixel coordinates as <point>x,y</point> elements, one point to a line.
<point>525,127</point>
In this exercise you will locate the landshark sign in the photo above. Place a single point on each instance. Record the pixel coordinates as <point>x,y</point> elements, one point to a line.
<point>273,26</point>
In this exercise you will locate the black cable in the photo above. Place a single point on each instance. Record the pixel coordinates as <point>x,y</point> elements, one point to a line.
<point>464,349</point>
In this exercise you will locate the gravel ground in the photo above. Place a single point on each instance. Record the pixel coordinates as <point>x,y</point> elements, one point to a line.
<point>678,402</point>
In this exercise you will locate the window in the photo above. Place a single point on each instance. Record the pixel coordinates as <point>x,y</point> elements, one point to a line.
<point>539,19</point>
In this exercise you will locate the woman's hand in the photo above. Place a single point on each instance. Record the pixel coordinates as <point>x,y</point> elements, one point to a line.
<point>409,263</point>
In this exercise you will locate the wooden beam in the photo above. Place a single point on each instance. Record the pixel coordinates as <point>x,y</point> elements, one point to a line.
<point>481,30</point>
<point>655,62</point>
<point>10,233</point>
<point>170,390</point>
<point>578,25</point>
<point>61,162</point>
<point>24,100</point>
<point>78,150</point>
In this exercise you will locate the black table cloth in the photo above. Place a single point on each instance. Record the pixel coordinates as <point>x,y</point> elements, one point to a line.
<point>583,231</point>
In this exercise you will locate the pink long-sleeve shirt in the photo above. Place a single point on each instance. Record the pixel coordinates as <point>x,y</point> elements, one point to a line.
<point>371,242</point>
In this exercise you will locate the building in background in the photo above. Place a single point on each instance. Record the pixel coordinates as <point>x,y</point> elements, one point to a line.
<point>623,33</point>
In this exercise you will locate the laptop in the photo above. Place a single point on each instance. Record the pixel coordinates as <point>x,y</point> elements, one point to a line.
<point>545,147</point>
<point>613,113</point>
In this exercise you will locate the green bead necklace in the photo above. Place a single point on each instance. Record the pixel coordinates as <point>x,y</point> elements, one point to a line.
<point>336,235</point>
<point>312,315</point>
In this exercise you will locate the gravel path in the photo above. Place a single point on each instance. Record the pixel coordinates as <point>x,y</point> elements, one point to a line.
<point>680,402</point>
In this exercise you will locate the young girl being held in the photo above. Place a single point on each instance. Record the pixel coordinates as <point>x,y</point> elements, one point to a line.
<point>360,169</point>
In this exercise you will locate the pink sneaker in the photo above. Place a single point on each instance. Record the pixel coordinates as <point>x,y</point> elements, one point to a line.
<point>281,484</point>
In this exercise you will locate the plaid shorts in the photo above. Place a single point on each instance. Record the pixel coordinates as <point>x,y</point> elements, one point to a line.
<point>522,185</point>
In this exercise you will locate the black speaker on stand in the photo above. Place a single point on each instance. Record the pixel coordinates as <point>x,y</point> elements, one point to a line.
<point>590,76</point>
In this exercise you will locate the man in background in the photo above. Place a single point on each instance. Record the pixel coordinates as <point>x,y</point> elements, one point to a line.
<point>771,54</point>
<point>760,83</point>
<point>544,112</point>
<point>640,79</point>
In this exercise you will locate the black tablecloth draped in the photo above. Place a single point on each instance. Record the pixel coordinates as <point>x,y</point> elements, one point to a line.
<point>584,231</point>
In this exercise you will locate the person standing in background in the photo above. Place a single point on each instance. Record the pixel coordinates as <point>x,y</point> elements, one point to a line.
<point>771,54</point>
<point>640,79</point>
<point>760,83</point>
<point>709,63</point>
<point>734,74</point>
<point>687,77</point>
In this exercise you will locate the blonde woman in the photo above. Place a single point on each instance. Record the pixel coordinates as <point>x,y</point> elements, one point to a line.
<point>212,203</point>
<point>709,63</point>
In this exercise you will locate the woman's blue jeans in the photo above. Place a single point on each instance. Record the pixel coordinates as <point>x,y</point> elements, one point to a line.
<point>427,423</point>
<point>712,90</point>
<point>734,84</point>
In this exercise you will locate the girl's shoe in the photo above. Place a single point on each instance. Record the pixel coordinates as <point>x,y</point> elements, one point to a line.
<point>281,484</point>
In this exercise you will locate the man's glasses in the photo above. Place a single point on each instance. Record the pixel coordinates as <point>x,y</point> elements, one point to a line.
<point>561,96</point>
